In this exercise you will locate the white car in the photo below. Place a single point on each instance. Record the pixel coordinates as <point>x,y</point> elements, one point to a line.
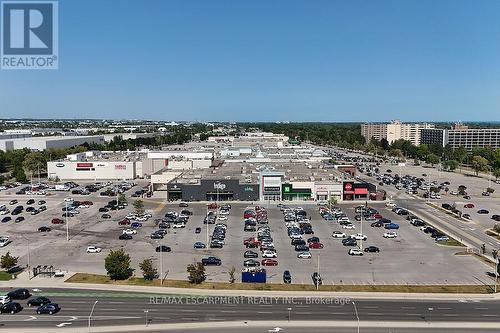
<point>93,249</point>
<point>83,206</point>
<point>178,225</point>
<point>4,241</point>
<point>223,212</point>
<point>338,234</point>
<point>349,226</point>
<point>4,212</point>
<point>68,200</point>
<point>304,255</point>
<point>129,232</point>
<point>355,252</point>
<point>269,254</point>
<point>4,299</point>
<point>390,234</point>
<point>222,218</point>
<point>359,236</point>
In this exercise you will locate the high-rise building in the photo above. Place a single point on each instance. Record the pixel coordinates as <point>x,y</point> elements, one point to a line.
<point>462,136</point>
<point>394,131</point>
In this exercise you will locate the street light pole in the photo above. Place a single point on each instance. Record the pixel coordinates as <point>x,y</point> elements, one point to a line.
<point>91,312</point>
<point>66,216</point>
<point>289,309</point>
<point>356,311</point>
<point>496,274</point>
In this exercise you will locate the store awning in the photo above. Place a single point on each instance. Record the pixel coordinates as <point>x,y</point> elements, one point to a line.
<point>361,191</point>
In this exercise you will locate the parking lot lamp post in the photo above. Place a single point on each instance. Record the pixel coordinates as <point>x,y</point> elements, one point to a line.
<point>319,274</point>
<point>91,312</point>
<point>289,309</point>
<point>206,220</point>
<point>356,311</point>
<point>66,217</point>
<point>430,314</point>
<point>146,312</point>
<point>161,262</point>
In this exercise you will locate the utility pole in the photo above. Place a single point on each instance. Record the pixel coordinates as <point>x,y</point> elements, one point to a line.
<point>356,311</point>
<point>91,312</point>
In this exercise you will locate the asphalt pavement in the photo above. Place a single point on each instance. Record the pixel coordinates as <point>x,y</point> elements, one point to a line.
<point>118,309</point>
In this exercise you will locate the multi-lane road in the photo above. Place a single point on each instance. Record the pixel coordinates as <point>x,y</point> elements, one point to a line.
<point>120,308</point>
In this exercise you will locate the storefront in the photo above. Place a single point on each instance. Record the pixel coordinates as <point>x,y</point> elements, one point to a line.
<point>213,190</point>
<point>325,192</point>
<point>356,191</point>
<point>270,185</point>
<point>290,193</point>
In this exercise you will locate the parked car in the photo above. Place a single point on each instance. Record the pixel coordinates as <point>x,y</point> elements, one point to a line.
<point>372,249</point>
<point>163,248</point>
<point>269,262</point>
<point>93,249</point>
<point>483,211</point>
<point>199,245</point>
<point>44,229</point>
<point>338,234</point>
<point>287,277</point>
<point>211,261</point>
<point>391,226</point>
<point>390,234</point>
<point>124,237</point>
<point>197,230</point>
<point>304,255</point>
<point>355,252</point>
<point>19,219</point>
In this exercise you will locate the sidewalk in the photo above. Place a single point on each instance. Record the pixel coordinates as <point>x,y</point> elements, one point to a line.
<point>42,282</point>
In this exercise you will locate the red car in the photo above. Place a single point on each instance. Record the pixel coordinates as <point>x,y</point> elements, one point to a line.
<point>315,245</point>
<point>469,205</point>
<point>377,215</point>
<point>124,222</point>
<point>88,203</point>
<point>212,206</point>
<point>57,221</point>
<point>269,262</point>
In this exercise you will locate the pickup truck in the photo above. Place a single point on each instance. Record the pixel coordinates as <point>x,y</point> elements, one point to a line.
<point>211,261</point>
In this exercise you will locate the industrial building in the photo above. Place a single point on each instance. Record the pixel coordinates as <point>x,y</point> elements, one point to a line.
<point>41,143</point>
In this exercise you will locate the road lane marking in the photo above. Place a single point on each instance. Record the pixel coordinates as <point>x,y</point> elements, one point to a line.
<point>370,307</point>
<point>444,308</point>
<point>228,311</point>
<point>303,313</point>
<point>264,312</point>
<point>187,310</point>
<point>480,308</point>
<point>489,315</point>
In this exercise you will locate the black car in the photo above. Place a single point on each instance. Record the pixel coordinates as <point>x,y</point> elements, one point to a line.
<point>103,210</point>
<point>317,279</point>
<point>105,216</point>
<point>349,242</point>
<point>377,224</point>
<point>19,294</point>
<point>372,249</point>
<point>19,219</point>
<point>250,254</point>
<point>313,240</point>
<point>38,301</point>
<point>11,307</point>
<point>156,235</point>
<point>125,237</point>
<point>44,229</point>
<point>496,217</point>
<point>163,248</point>
<point>6,219</point>
<point>211,261</point>
<point>30,202</point>
<point>197,230</point>
<point>251,263</point>
<point>287,277</point>
<point>41,202</point>
<point>30,209</point>
<point>49,308</point>
<point>298,241</point>
<point>163,225</point>
<point>483,211</point>
<point>301,248</point>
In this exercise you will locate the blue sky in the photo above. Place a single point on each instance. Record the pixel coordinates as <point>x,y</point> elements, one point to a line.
<point>267,60</point>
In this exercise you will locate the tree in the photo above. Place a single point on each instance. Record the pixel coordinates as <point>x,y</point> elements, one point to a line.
<point>19,175</point>
<point>496,173</point>
<point>231,273</point>
<point>148,270</point>
<point>34,162</point>
<point>483,248</point>
<point>450,165</point>
<point>8,262</point>
<point>196,272</point>
<point>432,159</point>
<point>117,264</point>
<point>396,153</point>
<point>479,164</point>
<point>139,207</point>
<point>122,198</point>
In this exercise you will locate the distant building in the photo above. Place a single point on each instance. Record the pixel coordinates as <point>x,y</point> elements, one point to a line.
<point>462,136</point>
<point>46,142</point>
<point>393,131</point>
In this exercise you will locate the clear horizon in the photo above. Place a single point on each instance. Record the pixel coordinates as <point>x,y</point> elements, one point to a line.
<point>267,61</point>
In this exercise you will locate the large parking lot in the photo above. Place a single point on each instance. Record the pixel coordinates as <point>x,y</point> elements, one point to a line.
<point>411,258</point>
